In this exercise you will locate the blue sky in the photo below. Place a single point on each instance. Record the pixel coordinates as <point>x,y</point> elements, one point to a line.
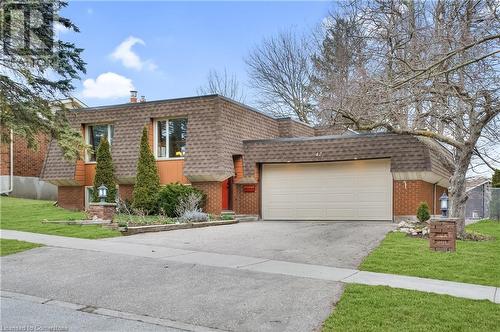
<point>167,48</point>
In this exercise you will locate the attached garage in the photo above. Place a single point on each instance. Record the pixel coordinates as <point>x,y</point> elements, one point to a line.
<point>344,190</point>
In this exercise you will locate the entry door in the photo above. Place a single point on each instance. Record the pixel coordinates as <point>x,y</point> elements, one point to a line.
<point>353,190</point>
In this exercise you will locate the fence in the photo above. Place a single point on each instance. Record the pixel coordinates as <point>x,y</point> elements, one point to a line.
<point>494,204</point>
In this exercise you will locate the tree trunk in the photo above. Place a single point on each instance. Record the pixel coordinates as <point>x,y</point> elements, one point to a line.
<point>457,194</point>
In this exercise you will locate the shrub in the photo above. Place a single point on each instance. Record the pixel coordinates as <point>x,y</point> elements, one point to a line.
<point>194,216</point>
<point>423,213</point>
<point>147,181</point>
<point>104,172</point>
<point>171,195</point>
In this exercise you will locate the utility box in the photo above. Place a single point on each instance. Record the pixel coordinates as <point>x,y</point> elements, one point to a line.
<point>442,235</point>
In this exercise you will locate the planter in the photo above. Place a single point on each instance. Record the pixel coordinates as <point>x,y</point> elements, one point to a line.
<point>131,230</point>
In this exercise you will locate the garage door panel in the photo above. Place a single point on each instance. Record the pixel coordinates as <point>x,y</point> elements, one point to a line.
<point>328,191</point>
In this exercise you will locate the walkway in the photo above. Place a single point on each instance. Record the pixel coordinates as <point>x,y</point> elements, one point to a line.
<point>464,290</point>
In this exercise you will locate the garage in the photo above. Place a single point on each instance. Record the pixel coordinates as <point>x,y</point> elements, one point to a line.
<point>346,190</point>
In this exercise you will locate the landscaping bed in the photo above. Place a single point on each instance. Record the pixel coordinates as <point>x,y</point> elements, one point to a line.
<point>131,230</point>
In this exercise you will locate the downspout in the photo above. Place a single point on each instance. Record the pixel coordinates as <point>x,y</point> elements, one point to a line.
<point>11,166</point>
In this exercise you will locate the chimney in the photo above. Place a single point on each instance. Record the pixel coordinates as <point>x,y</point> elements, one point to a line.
<point>133,96</point>
<point>143,99</point>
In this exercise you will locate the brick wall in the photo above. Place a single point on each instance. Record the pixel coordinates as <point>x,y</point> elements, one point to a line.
<point>246,202</point>
<point>408,194</point>
<point>126,192</point>
<point>72,198</point>
<point>4,159</point>
<point>213,190</point>
<point>27,162</point>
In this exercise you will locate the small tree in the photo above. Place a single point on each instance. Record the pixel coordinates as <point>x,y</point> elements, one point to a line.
<point>423,213</point>
<point>147,182</point>
<point>104,172</point>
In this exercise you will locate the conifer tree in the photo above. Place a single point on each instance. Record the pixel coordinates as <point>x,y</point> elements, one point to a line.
<point>104,172</point>
<point>147,182</point>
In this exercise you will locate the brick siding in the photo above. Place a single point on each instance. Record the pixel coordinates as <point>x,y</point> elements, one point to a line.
<point>72,198</point>
<point>126,192</point>
<point>213,190</point>
<point>27,161</point>
<point>408,194</point>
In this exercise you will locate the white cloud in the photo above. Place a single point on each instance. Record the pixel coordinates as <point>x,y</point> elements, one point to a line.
<point>59,28</point>
<point>106,86</point>
<point>129,58</point>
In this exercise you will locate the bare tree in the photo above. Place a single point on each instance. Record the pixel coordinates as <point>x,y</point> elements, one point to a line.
<point>222,84</point>
<point>279,70</point>
<point>430,69</point>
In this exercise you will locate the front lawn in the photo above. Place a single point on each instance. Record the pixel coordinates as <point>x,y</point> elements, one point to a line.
<point>370,308</point>
<point>27,215</point>
<point>473,262</point>
<point>8,247</point>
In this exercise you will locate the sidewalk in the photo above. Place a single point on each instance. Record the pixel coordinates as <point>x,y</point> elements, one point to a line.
<point>457,289</point>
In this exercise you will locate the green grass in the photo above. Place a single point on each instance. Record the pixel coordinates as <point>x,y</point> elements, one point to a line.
<point>473,262</point>
<point>27,215</point>
<point>9,247</point>
<point>369,308</point>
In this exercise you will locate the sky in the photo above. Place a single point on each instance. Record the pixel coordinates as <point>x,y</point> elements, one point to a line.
<point>166,49</point>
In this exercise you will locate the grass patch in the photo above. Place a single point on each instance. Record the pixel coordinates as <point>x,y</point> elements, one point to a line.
<point>27,215</point>
<point>474,262</point>
<point>9,247</point>
<point>380,308</point>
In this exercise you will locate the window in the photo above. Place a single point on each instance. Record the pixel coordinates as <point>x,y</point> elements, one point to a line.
<point>94,135</point>
<point>89,191</point>
<point>170,138</point>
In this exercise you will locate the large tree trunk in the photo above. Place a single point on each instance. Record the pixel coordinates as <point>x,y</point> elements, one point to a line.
<point>457,194</point>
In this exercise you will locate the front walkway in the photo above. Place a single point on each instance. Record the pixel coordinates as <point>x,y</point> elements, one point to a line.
<point>464,290</point>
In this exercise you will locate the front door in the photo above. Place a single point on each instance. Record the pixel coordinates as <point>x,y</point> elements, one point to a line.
<point>226,194</point>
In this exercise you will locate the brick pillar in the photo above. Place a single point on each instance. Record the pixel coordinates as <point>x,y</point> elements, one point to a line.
<point>442,235</point>
<point>102,211</point>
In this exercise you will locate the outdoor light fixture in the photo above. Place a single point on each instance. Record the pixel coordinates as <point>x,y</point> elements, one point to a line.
<point>103,193</point>
<point>444,205</point>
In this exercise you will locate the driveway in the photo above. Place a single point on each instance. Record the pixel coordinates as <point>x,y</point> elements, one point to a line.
<point>339,244</point>
<point>201,296</point>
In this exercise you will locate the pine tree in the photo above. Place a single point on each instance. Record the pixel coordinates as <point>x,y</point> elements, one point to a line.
<point>104,172</point>
<point>147,182</point>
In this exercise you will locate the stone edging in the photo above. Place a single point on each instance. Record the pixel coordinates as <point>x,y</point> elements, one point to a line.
<point>171,227</point>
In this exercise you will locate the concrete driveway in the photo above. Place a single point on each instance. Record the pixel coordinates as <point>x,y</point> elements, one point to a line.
<point>339,244</point>
<point>201,297</point>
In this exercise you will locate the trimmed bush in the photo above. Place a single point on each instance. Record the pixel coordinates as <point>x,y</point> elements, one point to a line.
<point>104,172</point>
<point>147,182</point>
<point>171,195</point>
<point>423,213</point>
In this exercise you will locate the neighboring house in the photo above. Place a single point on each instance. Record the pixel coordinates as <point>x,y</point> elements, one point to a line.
<point>478,198</point>
<point>23,178</point>
<point>256,164</point>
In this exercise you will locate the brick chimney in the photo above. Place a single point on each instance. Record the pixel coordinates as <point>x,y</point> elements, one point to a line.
<point>143,99</point>
<point>133,96</point>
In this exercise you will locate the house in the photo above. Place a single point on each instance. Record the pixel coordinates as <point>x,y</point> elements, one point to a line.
<point>478,197</point>
<point>252,163</point>
<point>21,166</point>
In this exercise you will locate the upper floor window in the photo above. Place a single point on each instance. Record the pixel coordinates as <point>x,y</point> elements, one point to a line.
<point>170,138</point>
<point>94,134</point>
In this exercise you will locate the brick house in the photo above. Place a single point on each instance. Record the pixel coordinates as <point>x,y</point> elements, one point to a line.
<point>21,166</point>
<point>252,163</point>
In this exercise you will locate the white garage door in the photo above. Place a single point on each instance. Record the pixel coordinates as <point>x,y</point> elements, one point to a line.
<point>352,190</point>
